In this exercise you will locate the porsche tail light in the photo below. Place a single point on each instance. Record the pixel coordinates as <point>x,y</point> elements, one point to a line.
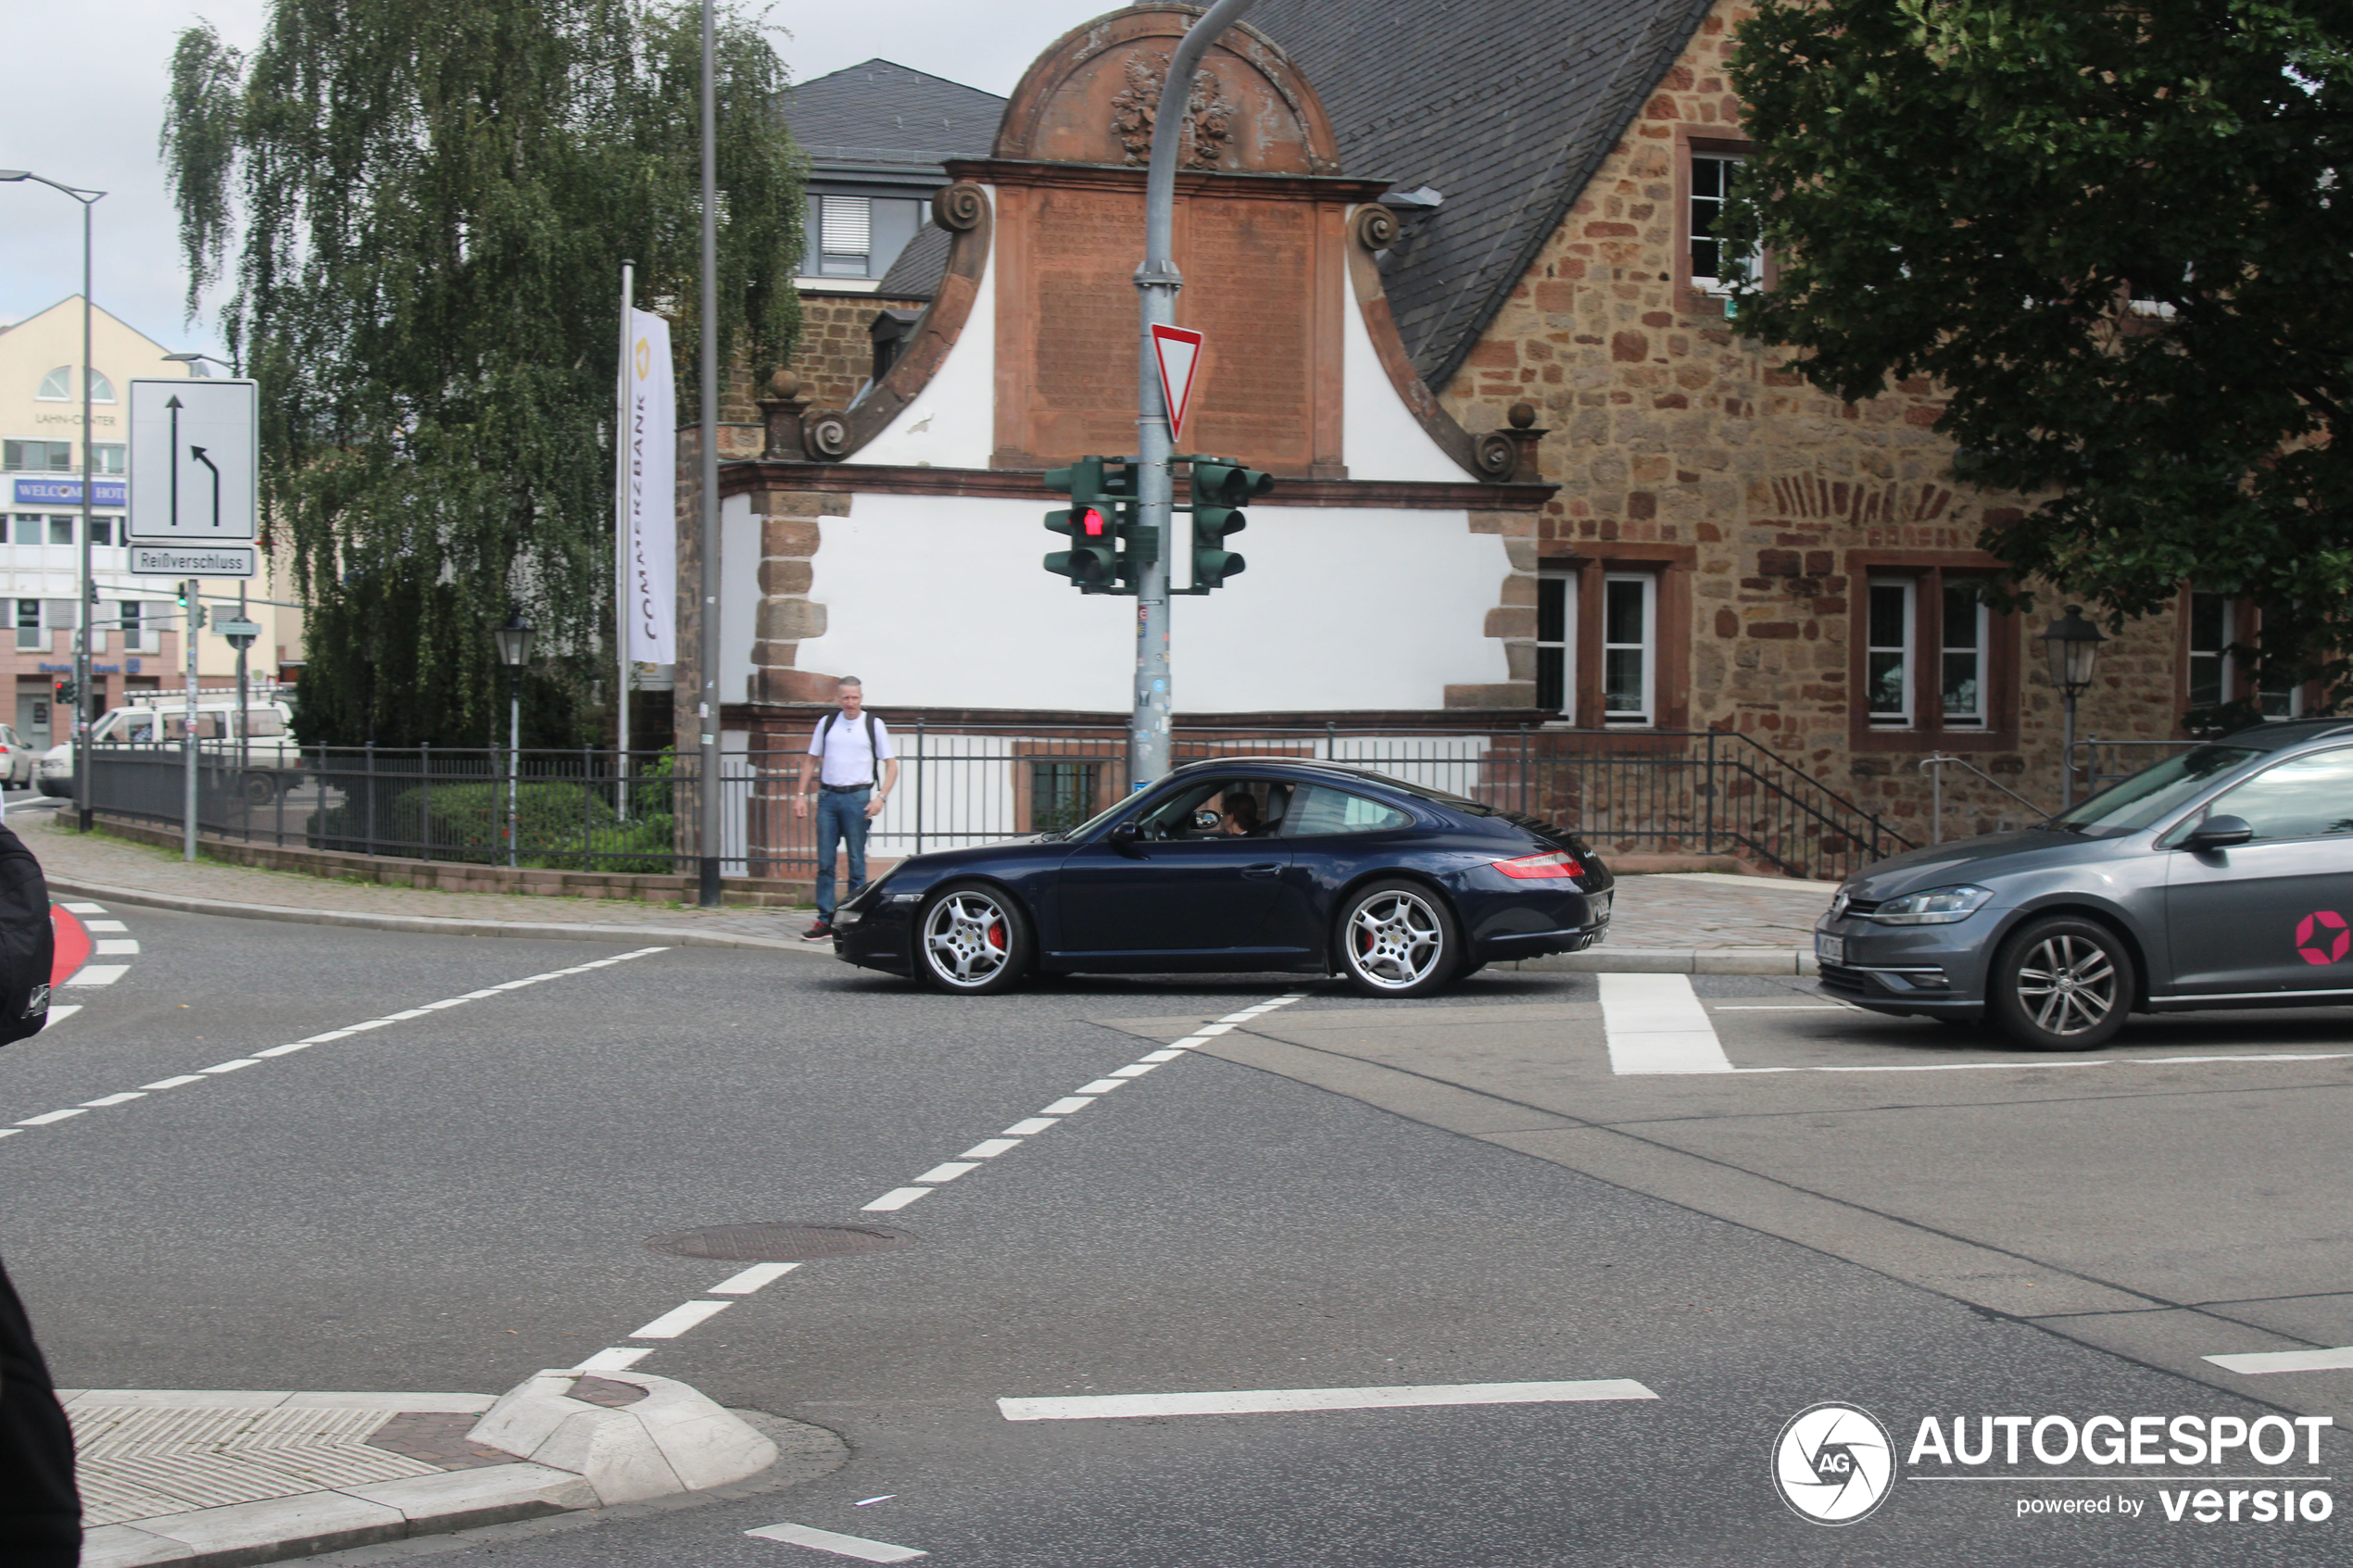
<point>1536,867</point>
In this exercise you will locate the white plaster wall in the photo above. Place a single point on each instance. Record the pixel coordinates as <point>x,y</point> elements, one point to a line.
<point>938,601</point>
<point>1379,437</point>
<point>953,422</point>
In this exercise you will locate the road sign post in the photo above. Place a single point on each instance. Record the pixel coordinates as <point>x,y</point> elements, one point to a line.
<point>1157,280</point>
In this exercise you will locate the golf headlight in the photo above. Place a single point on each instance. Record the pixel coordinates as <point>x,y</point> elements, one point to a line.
<point>1934,905</point>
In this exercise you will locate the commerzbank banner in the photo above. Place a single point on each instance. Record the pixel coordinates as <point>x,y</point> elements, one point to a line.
<point>650,503</point>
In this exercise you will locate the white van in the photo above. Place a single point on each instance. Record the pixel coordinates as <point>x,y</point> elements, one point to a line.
<point>269,733</point>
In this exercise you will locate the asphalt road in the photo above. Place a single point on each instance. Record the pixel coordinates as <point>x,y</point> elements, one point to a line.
<point>457,1199</point>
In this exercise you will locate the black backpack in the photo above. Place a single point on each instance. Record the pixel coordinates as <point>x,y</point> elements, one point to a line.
<point>27,942</point>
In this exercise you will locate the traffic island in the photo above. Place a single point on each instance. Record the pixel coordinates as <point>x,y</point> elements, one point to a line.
<point>211,1478</point>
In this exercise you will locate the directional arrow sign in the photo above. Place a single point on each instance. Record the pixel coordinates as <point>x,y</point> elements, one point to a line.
<point>1179,349</point>
<point>195,460</point>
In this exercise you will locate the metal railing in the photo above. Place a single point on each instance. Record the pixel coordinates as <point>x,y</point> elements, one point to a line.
<point>2126,757</point>
<point>1699,792</point>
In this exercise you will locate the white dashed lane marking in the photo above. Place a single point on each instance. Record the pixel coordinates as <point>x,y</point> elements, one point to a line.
<point>839,1545</point>
<point>1261,1402</point>
<point>678,1320</point>
<point>237,1064</point>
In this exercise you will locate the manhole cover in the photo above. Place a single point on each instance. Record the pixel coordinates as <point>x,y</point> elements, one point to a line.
<point>780,1244</point>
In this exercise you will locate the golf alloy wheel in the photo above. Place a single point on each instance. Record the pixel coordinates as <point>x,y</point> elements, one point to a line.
<point>2063,985</point>
<point>972,940</point>
<point>1398,940</point>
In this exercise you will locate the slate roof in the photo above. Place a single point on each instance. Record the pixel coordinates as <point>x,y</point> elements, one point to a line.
<point>916,273</point>
<point>883,113</point>
<point>1506,108</point>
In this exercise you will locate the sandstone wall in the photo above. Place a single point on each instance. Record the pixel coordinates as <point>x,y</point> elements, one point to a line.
<point>1673,438</point>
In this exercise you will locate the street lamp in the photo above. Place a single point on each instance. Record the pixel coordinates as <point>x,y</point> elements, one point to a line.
<point>2073,644</point>
<point>514,651</point>
<point>196,363</point>
<point>74,729</point>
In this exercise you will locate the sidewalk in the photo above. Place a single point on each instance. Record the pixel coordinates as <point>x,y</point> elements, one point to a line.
<point>1689,922</point>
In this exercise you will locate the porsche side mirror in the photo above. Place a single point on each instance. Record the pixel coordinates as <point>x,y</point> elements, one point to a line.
<point>1126,832</point>
<point>2218,833</point>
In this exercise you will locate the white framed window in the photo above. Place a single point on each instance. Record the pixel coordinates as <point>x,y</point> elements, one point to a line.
<point>28,632</point>
<point>1713,256</point>
<point>1629,648</point>
<point>37,457</point>
<point>106,456</point>
<point>1890,622</point>
<point>2212,631</point>
<point>1964,658</point>
<point>61,528</point>
<point>101,389</point>
<point>28,529</point>
<point>845,235</point>
<point>58,386</point>
<point>1556,640</point>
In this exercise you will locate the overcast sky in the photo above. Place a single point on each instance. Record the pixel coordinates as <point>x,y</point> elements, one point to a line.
<point>85,101</point>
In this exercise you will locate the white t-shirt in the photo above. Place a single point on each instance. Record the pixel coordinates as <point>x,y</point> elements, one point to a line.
<point>841,741</point>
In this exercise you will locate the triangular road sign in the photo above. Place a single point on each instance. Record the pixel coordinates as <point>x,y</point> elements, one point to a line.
<point>1179,349</point>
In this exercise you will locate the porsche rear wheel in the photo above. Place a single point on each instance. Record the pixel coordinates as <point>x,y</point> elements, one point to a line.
<point>1397,939</point>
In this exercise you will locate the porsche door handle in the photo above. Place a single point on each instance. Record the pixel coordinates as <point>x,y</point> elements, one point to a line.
<point>1263,873</point>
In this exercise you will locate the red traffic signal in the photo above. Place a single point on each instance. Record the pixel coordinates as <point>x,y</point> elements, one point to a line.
<point>1090,523</point>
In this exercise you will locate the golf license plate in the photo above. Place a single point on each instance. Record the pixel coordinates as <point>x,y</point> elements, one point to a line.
<point>1830,949</point>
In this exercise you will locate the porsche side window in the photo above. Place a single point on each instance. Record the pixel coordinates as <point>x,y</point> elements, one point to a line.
<point>2303,798</point>
<point>1319,810</point>
<point>1227,809</point>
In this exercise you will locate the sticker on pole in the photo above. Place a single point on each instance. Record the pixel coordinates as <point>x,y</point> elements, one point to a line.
<point>1179,350</point>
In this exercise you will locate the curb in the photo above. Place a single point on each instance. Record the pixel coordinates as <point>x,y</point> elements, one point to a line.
<point>1675,961</point>
<point>697,1446</point>
<point>438,925</point>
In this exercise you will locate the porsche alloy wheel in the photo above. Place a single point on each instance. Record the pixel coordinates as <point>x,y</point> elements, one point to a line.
<point>1397,939</point>
<point>972,940</point>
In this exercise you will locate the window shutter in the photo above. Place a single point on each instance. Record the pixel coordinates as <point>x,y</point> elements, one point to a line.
<point>849,225</point>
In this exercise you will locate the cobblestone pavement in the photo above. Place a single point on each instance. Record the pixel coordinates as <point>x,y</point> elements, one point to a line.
<point>1676,912</point>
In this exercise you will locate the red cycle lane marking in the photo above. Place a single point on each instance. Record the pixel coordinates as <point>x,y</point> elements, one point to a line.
<point>73,944</point>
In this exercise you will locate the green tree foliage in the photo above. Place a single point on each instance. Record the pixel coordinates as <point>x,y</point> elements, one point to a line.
<point>2120,238</point>
<point>421,207</point>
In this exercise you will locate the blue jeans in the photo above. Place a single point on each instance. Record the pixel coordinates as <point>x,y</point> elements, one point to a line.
<point>841,820</point>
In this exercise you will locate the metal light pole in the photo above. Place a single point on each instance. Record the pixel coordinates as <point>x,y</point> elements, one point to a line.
<point>190,625</point>
<point>84,602</point>
<point>707,708</point>
<point>1157,280</point>
<point>2073,644</point>
<point>514,651</point>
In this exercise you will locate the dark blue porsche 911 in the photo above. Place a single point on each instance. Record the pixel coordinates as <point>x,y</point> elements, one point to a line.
<point>1242,864</point>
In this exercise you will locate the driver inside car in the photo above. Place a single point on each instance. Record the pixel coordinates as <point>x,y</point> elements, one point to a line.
<point>1241,815</point>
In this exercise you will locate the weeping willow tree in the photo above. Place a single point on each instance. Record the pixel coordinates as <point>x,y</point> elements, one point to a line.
<point>421,207</point>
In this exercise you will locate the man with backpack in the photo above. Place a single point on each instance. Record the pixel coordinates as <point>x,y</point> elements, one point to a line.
<point>852,749</point>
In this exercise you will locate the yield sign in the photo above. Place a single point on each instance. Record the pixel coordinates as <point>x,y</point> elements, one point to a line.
<point>1179,349</point>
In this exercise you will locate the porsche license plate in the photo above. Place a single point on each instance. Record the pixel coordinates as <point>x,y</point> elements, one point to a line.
<point>1830,949</point>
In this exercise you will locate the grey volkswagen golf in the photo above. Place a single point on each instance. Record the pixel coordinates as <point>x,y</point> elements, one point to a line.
<point>2222,877</point>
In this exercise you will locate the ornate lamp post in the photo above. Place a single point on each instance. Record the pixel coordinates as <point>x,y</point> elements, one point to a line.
<point>2073,644</point>
<point>514,641</point>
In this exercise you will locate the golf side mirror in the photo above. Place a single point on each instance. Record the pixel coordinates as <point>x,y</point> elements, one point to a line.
<point>2218,833</point>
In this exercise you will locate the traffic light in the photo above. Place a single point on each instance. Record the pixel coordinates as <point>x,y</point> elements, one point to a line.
<point>1100,517</point>
<point>1221,488</point>
<point>65,693</point>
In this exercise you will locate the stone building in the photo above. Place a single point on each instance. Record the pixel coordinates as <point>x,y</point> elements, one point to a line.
<point>1467,311</point>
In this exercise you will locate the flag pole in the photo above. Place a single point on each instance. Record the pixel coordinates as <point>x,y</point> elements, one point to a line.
<point>620,549</point>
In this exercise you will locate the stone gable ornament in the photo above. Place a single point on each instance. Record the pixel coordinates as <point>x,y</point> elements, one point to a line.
<point>1209,114</point>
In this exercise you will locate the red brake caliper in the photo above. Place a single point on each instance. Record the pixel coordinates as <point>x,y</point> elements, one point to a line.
<point>997,934</point>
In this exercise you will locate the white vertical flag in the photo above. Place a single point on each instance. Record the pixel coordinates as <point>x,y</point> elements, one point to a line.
<point>650,512</point>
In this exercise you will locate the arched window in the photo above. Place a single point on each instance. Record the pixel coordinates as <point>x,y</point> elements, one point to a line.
<point>101,389</point>
<point>58,386</point>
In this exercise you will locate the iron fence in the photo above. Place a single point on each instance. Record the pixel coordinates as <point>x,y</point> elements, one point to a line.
<point>1702,792</point>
